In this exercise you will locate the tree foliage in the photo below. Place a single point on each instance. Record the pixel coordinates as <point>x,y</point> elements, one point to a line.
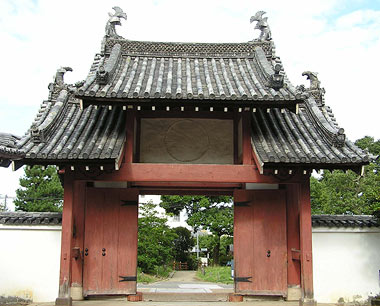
<point>155,239</point>
<point>213,213</point>
<point>182,244</point>
<point>40,190</point>
<point>339,192</point>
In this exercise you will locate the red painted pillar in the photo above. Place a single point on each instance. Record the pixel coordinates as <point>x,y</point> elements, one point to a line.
<point>306,244</point>
<point>293,242</point>
<point>64,297</point>
<point>78,240</point>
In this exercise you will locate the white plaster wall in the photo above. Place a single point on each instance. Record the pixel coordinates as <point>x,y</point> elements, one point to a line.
<point>346,263</point>
<point>29,262</point>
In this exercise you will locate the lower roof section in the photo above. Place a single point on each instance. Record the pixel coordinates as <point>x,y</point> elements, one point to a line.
<point>64,133</point>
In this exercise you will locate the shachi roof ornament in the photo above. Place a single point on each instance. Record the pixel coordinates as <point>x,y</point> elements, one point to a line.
<point>262,25</point>
<point>113,21</point>
<point>315,88</point>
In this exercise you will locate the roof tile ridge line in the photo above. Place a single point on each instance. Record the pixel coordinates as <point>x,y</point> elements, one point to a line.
<point>315,135</point>
<point>312,105</point>
<point>46,127</point>
<point>111,64</point>
<point>320,120</point>
<point>266,71</point>
<point>329,115</point>
<point>288,91</point>
<point>262,76</point>
<point>358,150</point>
<point>37,121</point>
<point>91,77</point>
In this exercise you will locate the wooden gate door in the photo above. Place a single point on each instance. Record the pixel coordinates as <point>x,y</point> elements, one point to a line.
<point>260,250</point>
<point>110,243</point>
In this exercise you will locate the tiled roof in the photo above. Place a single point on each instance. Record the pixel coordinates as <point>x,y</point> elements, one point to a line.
<point>63,131</point>
<point>30,218</point>
<point>138,74</point>
<point>8,149</point>
<point>309,137</point>
<point>344,221</point>
<point>132,70</point>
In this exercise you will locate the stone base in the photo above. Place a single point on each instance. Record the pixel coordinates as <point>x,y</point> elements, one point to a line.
<point>232,297</point>
<point>64,301</point>
<point>294,293</point>
<point>308,302</point>
<point>135,297</point>
<point>76,293</point>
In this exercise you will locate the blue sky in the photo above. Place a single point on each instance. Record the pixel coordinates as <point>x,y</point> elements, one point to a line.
<point>337,38</point>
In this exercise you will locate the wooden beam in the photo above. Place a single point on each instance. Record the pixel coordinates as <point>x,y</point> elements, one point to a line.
<point>64,297</point>
<point>144,172</point>
<point>306,244</point>
<point>180,185</point>
<point>195,173</point>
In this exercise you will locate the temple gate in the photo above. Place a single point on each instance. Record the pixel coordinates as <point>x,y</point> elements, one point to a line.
<point>185,118</point>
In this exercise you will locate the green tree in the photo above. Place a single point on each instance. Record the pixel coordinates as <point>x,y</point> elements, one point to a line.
<point>339,192</point>
<point>213,213</point>
<point>156,239</point>
<point>182,244</point>
<point>40,190</point>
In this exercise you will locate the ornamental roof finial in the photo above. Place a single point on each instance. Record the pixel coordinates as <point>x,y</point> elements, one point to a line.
<point>262,25</point>
<point>113,21</point>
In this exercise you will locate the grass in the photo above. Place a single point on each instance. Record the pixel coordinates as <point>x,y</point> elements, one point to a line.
<point>161,273</point>
<point>216,275</point>
<point>146,278</point>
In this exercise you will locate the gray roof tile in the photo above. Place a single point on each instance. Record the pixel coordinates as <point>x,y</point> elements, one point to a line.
<point>142,70</point>
<point>344,221</point>
<point>30,218</point>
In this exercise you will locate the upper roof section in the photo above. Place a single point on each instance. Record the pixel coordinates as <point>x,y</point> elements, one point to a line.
<point>134,71</point>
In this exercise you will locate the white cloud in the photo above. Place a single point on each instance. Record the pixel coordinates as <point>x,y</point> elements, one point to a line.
<point>39,36</point>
